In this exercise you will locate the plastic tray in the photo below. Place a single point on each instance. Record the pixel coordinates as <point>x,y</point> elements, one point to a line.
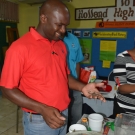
<point>84,133</point>
<point>125,124</point>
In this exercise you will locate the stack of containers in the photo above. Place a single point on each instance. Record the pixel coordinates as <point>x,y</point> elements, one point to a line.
<point>124,124</point>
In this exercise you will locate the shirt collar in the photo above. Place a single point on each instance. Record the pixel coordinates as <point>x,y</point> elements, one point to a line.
<point>36,35</point>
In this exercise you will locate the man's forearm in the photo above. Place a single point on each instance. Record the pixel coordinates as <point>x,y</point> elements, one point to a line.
<point>78,69</point>
<point>75,84</point>
<point>20,99</point>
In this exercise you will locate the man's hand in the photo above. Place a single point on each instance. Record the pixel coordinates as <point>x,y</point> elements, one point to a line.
<point>53,117</point>
<point>90,91</point>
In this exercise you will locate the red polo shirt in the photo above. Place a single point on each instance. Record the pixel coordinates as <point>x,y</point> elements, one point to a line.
<point>38,68</point>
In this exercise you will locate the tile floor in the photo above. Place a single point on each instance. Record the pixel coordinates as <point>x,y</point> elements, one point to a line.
<point>8,118</point>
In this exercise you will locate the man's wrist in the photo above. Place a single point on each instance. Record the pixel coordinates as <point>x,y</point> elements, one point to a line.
<point>81,87</point>
<point>40,108</point>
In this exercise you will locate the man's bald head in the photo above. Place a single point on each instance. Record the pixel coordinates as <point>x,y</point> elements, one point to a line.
<point>54,17</point>
<point>52,5</point>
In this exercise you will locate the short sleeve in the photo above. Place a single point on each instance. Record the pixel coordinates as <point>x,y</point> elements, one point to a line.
<point>119,70</point>
<point>80,56</point>
<point>12,68</point>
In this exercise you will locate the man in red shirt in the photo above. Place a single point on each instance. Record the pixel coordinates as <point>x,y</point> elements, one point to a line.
<point>36,77</point>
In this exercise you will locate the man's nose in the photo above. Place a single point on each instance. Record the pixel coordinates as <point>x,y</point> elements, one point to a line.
<point>63,29</point>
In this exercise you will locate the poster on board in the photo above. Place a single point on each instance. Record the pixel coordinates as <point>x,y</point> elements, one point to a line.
<point>108,50</point>
<point>86,34</point>
<point>69,30</point>
<point>86,45</point>
<point>77,33</point>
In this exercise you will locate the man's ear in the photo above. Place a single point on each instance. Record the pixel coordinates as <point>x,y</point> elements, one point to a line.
<point>43,18</point>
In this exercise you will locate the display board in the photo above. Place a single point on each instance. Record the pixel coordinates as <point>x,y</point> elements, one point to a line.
<point>105,45</point>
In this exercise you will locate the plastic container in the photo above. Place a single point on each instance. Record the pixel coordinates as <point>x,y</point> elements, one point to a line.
<point>84,122</point>
<point>95,122</point>
<point>77,127</point>
<point>124,124</point>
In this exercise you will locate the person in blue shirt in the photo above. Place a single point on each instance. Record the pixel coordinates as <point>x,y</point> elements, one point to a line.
<point>74,58</point>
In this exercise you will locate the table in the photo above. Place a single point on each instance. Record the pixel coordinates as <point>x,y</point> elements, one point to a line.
<point>95,133</point>
<point>98,106</point>
<point>109,94</point>
<point>110,131</point>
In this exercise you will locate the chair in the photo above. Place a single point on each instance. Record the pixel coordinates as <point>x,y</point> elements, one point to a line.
<point>111,76</point>
<point>12,34</point>
<point>17,118</point>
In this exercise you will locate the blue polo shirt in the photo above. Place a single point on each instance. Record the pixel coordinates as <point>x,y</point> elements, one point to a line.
<point>74,52</point>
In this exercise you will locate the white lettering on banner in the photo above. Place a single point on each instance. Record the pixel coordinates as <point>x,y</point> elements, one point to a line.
<point>124,10</point>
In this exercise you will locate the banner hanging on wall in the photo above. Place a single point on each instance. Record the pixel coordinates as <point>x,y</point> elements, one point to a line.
<point>109,34</point>
<point>127,24</point>
<point>123,10</point>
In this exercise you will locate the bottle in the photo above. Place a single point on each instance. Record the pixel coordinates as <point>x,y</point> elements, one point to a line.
<point>106,130</point>
<point>84,121</point>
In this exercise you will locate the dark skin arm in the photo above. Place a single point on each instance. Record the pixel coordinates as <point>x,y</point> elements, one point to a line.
<point>78,67</point>
<point>88,90</point>
<point>51,115</point>
<point>126,88</point>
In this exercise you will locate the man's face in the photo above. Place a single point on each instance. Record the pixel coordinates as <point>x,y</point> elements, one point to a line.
<point>55,26</point>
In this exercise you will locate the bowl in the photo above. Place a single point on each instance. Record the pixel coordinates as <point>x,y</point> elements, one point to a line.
<point>77,127</point>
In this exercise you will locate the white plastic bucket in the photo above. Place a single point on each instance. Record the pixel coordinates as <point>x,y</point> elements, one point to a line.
<point>95,122</point>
